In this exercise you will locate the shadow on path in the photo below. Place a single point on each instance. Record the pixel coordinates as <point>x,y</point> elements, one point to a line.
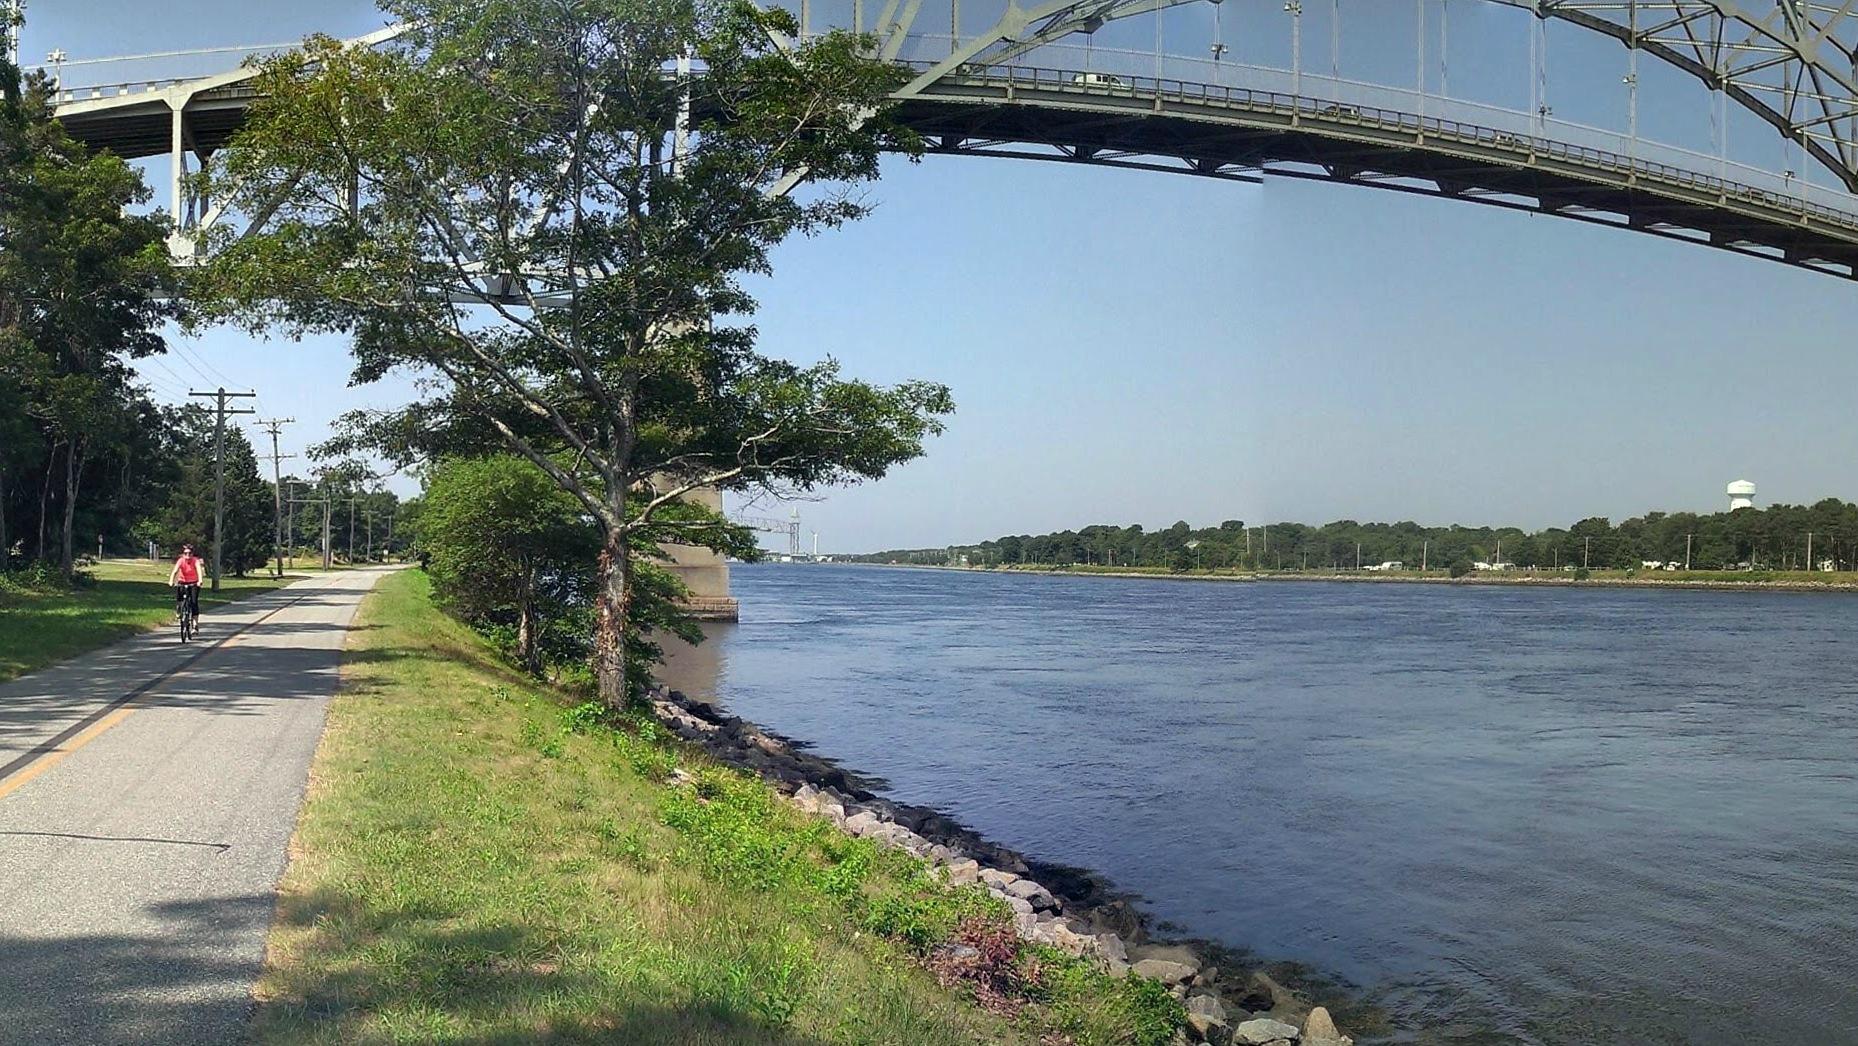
<point>167,984</point>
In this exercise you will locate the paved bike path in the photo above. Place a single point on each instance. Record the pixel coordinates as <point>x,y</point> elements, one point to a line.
<point>147,794</point>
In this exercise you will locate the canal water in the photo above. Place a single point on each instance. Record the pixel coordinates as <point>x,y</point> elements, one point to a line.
<point>1508,815</point>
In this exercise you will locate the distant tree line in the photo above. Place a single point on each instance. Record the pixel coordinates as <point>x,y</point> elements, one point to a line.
<point>1773,538</point>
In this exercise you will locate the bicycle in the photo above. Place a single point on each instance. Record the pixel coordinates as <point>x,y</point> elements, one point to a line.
<point>187,607</point>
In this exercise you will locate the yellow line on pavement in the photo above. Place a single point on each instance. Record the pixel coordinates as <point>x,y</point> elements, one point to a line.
<point>46,762</point>
<point>124,707</point>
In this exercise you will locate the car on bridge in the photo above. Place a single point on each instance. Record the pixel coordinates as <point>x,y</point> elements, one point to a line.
<point>1097,80</point>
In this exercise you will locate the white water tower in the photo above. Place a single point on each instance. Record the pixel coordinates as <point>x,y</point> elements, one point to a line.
<point>1741,495</point>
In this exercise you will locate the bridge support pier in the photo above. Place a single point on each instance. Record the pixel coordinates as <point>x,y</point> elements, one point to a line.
<point>703,572</point>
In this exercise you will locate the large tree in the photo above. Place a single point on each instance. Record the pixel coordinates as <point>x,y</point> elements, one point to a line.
<point>530,208</point>
<point>83,290</point>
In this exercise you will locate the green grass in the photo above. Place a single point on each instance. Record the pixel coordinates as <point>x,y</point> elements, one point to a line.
<point>477,862</point>
<point>43,625</point>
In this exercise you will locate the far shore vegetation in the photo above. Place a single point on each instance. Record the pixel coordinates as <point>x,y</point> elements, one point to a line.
<point>1805,544</point>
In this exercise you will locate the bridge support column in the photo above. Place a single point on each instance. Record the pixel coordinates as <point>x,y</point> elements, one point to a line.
<point>703,572</point>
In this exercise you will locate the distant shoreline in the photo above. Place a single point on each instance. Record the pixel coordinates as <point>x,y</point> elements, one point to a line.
<point>1524,580</point>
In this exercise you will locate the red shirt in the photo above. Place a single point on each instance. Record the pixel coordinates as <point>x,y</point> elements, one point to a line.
<point>188,570</point>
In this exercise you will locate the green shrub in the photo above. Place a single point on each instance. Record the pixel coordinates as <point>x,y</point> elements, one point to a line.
<point>1095,1009</point>
<point>583,718</point>
<point>1582,573</point>
<point>1460,567</point>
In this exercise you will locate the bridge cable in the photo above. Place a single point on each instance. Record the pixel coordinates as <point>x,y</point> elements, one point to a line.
<point>1335,39</point>
<point>1445,40</point>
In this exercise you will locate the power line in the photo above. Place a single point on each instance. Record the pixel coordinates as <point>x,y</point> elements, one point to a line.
<point>165,369</point>
<point>217,378</point>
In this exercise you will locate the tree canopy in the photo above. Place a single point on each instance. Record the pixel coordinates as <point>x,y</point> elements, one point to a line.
<point>526,207</point>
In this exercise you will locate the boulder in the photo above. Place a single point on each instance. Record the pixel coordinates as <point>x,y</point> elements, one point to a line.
<point>1320,1030</point>
<point>1066,939</point>
<point>1208,1005</point>
<point>1120,918</point>
<point>996,877</point>
<point>964,872</point>
<point>1253,997</point>
<point>1282,998</point>
<point>1111,946</point>
<point>1033,892</point>
<point>1262,1030</point>
<point>1205,1028</point>
<point>1018,904</point>
<point>1166,971</point>
<point>862,823</point>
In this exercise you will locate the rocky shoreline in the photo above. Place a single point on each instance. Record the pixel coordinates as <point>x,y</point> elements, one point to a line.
<point>1068,909</point>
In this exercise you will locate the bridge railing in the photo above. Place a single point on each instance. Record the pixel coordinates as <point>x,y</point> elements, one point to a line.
<point>1641,160</point>
<point>97,78</point>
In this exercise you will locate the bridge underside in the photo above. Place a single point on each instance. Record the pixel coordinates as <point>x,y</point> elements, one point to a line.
<point>1349,149</point>
<point>994,116</point>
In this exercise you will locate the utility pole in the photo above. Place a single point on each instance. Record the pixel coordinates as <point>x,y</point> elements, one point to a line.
<point>277,483</point>
<point>1809,549</point>
<point>1424,547</point>
<point>220,410</point>
<point>351,529</point>
<point>1357,555</point>
<point>1586,546</point>
<point>1687,538</point>
<point>370,512</point>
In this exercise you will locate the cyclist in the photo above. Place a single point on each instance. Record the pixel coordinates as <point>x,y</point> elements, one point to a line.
<point>185,580</point>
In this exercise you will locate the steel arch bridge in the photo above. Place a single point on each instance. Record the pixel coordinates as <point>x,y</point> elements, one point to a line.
<point>1012,80</point>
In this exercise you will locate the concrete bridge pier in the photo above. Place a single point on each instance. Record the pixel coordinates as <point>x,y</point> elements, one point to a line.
<point>704,572</point>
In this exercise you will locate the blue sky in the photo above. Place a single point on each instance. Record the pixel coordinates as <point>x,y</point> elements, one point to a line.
<point>1128,346</point>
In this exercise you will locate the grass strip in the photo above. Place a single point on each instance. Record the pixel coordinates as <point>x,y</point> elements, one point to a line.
<point>478,862</point>
<point>46,622</point>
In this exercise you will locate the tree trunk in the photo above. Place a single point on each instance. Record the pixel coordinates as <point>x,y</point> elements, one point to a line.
<point>6,543</point>
<point>45,499</point>
<point>610,627</point>
<point>73,465</point>
<point>526,646</point>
